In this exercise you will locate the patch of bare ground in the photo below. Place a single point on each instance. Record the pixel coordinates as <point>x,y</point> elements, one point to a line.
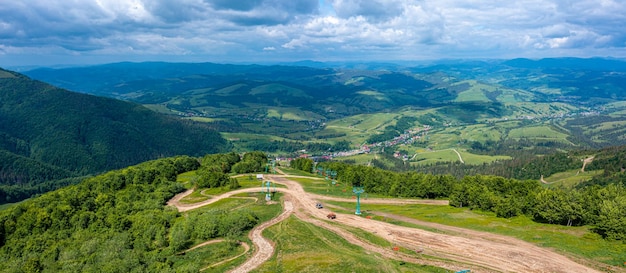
<point>461,248</point>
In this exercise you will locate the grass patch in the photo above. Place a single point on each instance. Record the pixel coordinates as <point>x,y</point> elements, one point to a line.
<point>360,159</point>
<point>199,258</point>
<point>291,171</point>
<point>474,159</point>
<point>474,93</point>
<point>571,178</point>
<point>199,195</point>
<point>304,247</point>
<point>8,205</point>
<point>204,119</point>
<point>186,177</point>
<point>543,132</point>
<point>325,187</point>
<point>430,157</point>
<point>225,204</point>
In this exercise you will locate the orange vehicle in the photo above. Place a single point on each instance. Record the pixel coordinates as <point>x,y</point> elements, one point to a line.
<point>331,216</point>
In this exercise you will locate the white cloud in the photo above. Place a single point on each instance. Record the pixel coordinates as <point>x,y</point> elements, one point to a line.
<point>308,29</point>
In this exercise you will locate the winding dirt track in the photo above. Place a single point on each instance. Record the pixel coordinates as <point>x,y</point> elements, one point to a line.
<point>478,251</point>
<point>264,248</point>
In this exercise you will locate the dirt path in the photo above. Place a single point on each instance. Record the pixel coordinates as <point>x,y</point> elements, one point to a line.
<point>481,252</point>
<point>478,251</point>
<point>214,241</point>
<point>264,248</point>
<point>543,180</point>
<point>459,154</point>
<point>383,200</point>
<point>586,161</point>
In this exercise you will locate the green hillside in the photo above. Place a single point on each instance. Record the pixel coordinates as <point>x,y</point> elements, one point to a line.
<point>505,106</point>
<point>119,222</point>
<point>50,133</point>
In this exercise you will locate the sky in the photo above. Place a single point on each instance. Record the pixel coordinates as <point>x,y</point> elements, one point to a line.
<point>51,32</point>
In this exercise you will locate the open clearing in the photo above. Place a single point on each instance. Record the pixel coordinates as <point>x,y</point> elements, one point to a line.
<point>453,250</point>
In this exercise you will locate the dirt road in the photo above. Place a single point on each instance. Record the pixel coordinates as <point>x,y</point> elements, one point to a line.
<point>586,161</point>
<point>264,248</point>
<point>478,251</point>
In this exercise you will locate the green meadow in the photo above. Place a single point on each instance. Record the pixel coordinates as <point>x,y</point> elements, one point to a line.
<point>570,178</point>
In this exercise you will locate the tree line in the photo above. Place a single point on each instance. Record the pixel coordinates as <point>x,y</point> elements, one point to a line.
<point>603,208</point>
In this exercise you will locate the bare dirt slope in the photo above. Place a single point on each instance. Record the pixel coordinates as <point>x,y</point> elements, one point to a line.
<point>478,251</point>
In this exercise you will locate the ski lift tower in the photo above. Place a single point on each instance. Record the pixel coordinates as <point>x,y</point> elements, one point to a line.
<point>268,193</point>
<point>358,190</point>
<point>274,166</point>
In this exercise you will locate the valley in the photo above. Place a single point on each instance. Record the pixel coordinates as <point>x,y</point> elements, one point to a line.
<point>278,136</point>
<point>463,104</point>
<point>497,166</point>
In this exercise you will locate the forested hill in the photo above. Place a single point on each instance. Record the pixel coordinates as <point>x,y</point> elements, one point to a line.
<point>50,133</point>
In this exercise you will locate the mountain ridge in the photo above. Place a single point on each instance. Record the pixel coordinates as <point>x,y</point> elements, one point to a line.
<point>85,134</point>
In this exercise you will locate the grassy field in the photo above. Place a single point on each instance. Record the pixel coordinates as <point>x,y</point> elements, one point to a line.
<point>325,187</point>
<point>543,132</point>
<point>474,159</point>
<point>480,132</point>
<point>359,127</point>
<point>474,93</point>
<point>199,195</point>
<point>291,114</point>
<point>291,171</point>
<point>431,157</point>
<point>571,178</point>
<point>423,157</point>
<point>361,159</point>
<point>213,254</point>
<point>204,119</point>
<point>304,247</point>
<point>574,241</point>
<point>197,259</point>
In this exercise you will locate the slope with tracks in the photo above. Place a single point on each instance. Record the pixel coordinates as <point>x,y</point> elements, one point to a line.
<point>479,251</point>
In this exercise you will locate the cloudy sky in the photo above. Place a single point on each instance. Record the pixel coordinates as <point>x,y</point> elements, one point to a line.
<point>46,32</point>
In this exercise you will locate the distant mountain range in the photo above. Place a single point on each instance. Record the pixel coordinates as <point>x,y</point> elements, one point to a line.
<point>47,133</point>
<point>339,91</point>
<point>295,101</point>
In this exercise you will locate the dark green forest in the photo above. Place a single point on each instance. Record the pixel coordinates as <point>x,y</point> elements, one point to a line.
<point>50,134</point>
<point>118,221</point>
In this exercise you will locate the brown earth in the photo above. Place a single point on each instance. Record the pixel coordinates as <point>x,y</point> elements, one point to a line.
<point>462,248</point>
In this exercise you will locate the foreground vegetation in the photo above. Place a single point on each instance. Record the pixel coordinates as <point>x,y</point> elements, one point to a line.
<point>118,221</point>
